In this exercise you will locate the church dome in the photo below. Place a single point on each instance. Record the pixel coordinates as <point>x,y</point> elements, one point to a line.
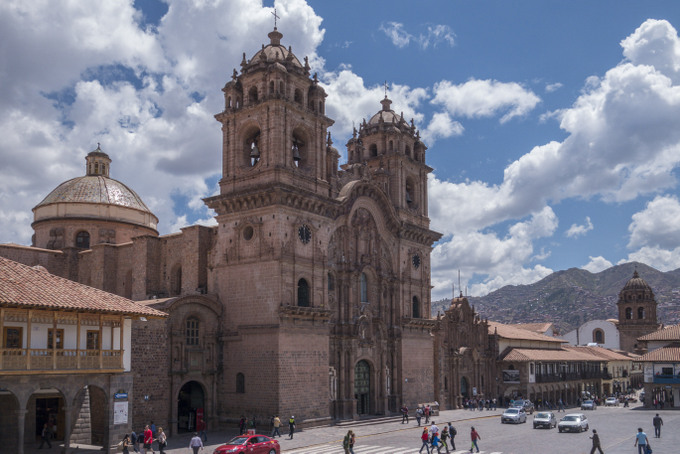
<point>276,55</point>
<point>636,283</point>
<point>386,114</point>
<point>93,203</point>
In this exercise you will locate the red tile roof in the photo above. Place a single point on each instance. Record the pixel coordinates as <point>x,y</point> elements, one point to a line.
<point>546,354</point>
<point>540,328</point>
<point>669,354</point>
<point>604,353</point>
<point>34,287</point>
<point>512,332</point>
<point>669,333</point>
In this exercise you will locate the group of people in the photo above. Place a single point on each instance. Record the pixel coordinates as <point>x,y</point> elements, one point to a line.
<point>641,439</point>
<point>480,404</point>
<point>146,438</point>
<point>432,439</point>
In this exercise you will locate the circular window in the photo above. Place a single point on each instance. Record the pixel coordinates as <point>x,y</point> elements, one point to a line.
<point>248,233</point>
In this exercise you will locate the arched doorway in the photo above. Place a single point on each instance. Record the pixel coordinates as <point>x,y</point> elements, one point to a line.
<point>362,387</point>
<point>464,388</point>
<point>190,405</point>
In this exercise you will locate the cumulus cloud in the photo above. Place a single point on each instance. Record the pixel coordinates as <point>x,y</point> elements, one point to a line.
<point>441,126</point>
<point>553,87</point>
<point>657,225</point>
<point>484,98</point>
<point>577,230</point>
<point>396,33</point>
<point>597,264</point>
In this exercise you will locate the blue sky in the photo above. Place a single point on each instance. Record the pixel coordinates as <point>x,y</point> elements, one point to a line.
<point>553,127</point>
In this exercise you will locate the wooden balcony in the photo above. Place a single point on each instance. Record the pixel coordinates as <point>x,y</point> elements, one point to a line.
<point>24,360</point>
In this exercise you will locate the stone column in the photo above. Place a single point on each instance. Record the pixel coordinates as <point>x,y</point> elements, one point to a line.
<point>67,430</point>
<point>21,418</point>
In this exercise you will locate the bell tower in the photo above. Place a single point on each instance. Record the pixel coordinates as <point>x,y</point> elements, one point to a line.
<point>274,125</point>
<point>637,312</point>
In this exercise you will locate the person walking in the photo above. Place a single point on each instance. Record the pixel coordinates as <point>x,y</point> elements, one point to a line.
<point>560,404</point>
<point>202,427</point>
<point>434,440</point>
<point>425,438</point>
<point>419,415</point>
<point>277,426</point>
<point>242,425</point>
<point>641,441</point>
<point>196,443</point>
<point>404,414</point>
<point>426,412</point>
<point>452,433</point>
<point>474,436</point>
<point>148,440</point>
<point>45,436</point>
<point>162,440</point>
<point>134,441</point>
<point>445,437</point>
<point>596,443</point>
<point>658,422</point>
<point>291,427</point>
<point>126,444</point>
<point>352,440</point>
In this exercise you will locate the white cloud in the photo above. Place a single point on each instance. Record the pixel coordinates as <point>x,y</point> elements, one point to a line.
<point>597,264</point>
<point>484,98</point>
<point>655,43</point>
<point>579,230</point>
<point>395,31</point>
<point>441,126</point>
<point>661,259</point>
<point>553,87</point>
<point>658,225</point>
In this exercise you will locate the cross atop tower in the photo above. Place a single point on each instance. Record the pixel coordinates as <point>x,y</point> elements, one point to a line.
<point>275,17</point>
<point>386,88</point>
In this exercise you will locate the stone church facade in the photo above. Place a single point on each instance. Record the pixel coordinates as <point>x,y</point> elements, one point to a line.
<point>311,296</point>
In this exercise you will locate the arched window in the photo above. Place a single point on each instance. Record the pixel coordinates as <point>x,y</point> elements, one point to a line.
<point>271,88</point>
<point>391,146</point>
<point>96,167</point>
<point>83,240</point>
<point>629,313</point>
<point>303,293</point>
<point>407,151</point>
<point>641,312</point>
<point>298,96</point>
<point>252,95</point>
<point>331,282</point>
<point>364,288</point>
<point>415,308</point>
<point>240,383</point>
<point>598,336</point>
<point>409,192</point>
<point>373,150</point>
<point>192,331</point>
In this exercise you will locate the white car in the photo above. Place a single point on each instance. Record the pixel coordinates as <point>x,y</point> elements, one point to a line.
<point>515,415</point>
<point>573,422</point>
<point>611,402</point>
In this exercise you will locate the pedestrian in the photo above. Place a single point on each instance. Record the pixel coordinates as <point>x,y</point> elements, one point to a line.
<point>253,423</point>
<point>152,426</point>
<point>196,443</point>
<point>242,425</point>
<point>658,422</point>
<point>641,441</point>
<point>445,437</point>
<point>277,426</point>
<point>291,427</point>
<point>425,438</point>
<point>352,440</point>
<point>162,440</point>
<point>134,440</point>
<point>148,440</point>
<point>45,436</point>
<point>202,427</point>
<point>561,405</point>
<point>346,442</point>
<point>126,444</point>
<point>419,415</point>
<point>434,429</point>
<point>435,442</point>
<point>404,413</point>
<point>452,433</point>
<point>474,436</point>
<point>426,412</point>
<point>596,443</point>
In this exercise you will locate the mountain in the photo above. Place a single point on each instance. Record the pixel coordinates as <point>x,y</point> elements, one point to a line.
<point>571,297</point>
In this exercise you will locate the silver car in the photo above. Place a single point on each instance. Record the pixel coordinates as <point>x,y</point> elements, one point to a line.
<point>545,419</point>
<point>515,415</point>
<point>573,422</point>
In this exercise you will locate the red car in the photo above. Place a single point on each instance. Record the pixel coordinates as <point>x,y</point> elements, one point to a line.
<point>249,444</point>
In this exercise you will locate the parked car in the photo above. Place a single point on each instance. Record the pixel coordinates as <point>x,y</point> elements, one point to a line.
<point>545,419</point>
<point>249,444</point>
<point>611,402</point>
<point>588,405</point>
<point>526,404</point>
<point>515,415</point>
<point>573,422</point>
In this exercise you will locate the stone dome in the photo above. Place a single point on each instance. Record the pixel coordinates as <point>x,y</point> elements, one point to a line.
<point>386,114</point>
<point>96,203</point>
<point>275,54</point>
<point>636,283</point>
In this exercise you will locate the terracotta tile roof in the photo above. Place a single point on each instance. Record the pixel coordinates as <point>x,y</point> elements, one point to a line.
<point>512,332</point>
<point>604,353</point>
<point>668,333</point>
<point>540,328</point>
<point>546,354</point>
<point>34,287</point>
<point>670,354</point>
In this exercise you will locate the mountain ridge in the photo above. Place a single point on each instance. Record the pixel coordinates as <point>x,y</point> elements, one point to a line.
<point>569,298</point>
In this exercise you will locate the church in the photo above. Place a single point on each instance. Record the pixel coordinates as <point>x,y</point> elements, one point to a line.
<point>311,295</point>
